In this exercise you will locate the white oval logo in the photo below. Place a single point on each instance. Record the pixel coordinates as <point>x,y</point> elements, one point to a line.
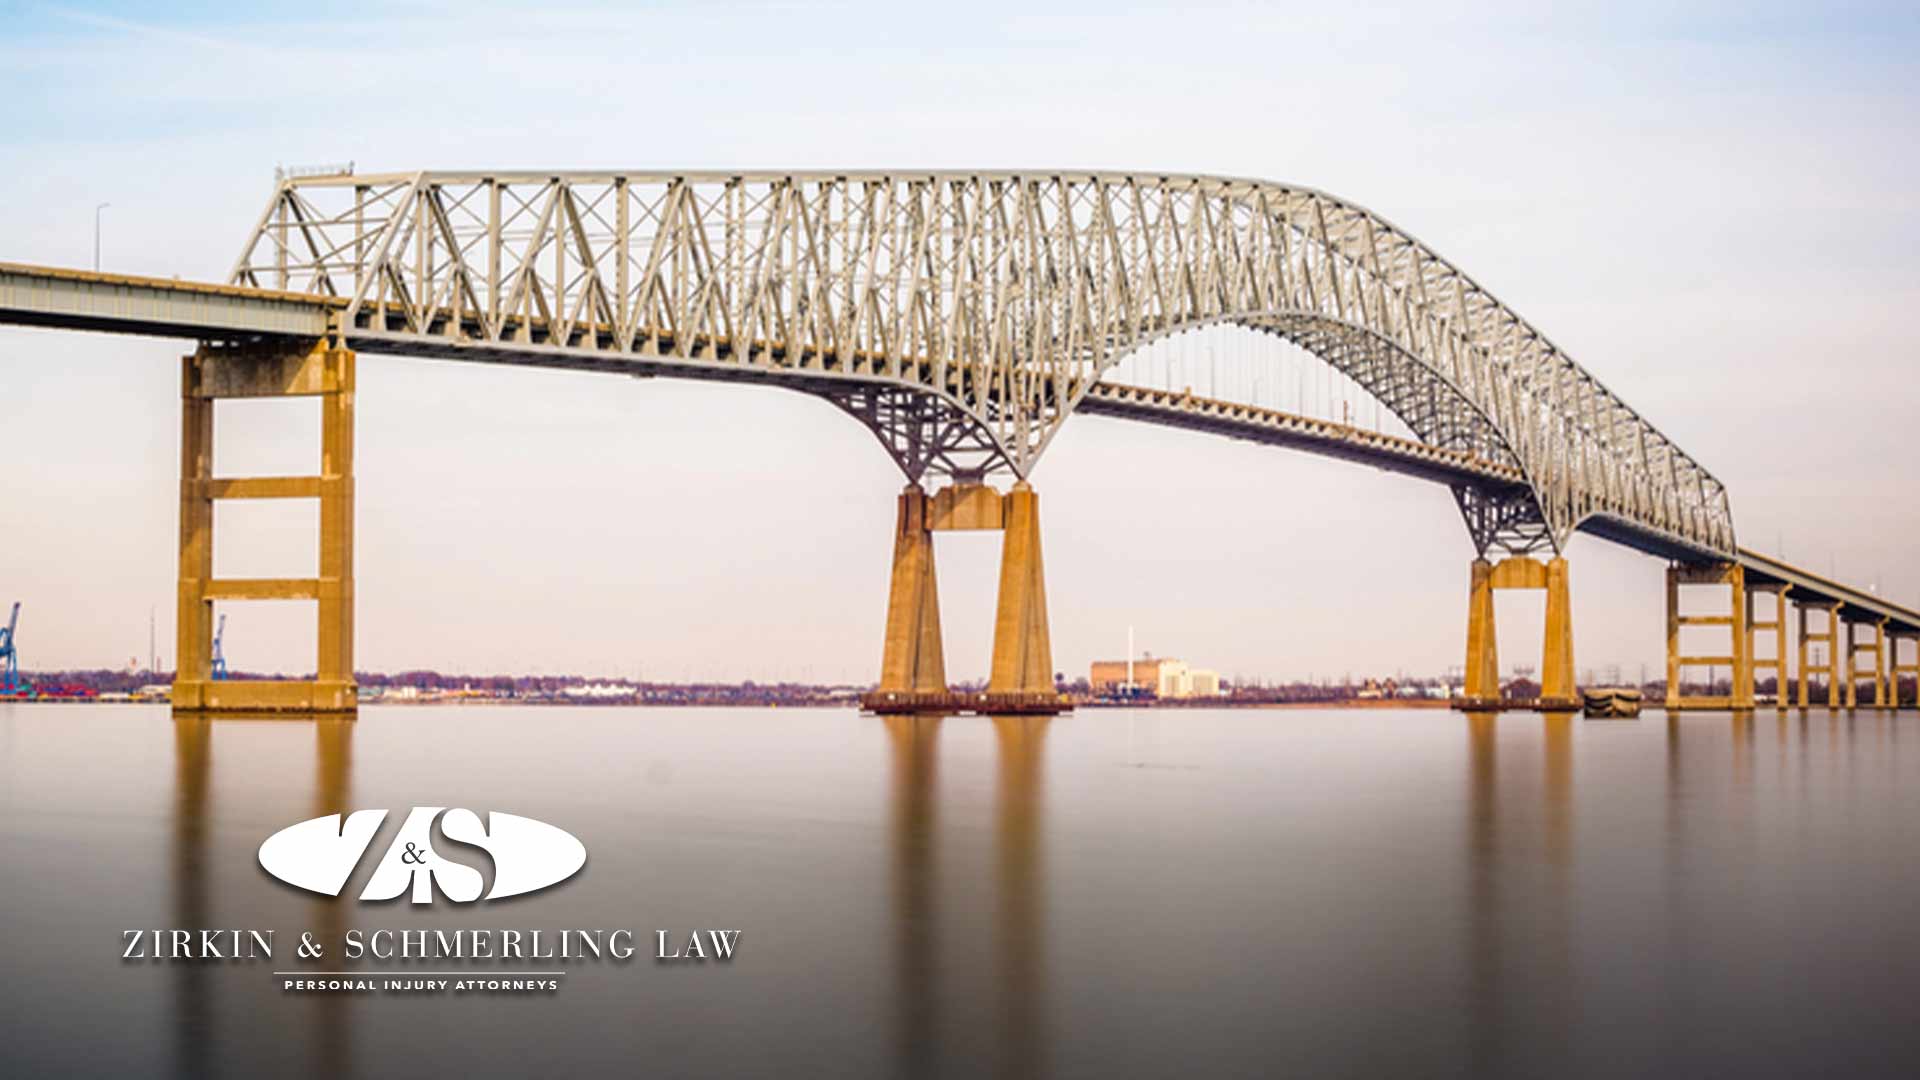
<point>320,854</point>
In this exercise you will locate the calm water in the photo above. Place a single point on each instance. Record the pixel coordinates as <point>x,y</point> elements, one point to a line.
<point>1109,893</point>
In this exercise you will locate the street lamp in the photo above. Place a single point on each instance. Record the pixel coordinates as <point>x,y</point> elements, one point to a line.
<point>96,235</point>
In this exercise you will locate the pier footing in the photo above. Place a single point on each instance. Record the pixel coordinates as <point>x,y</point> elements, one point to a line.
<point>953,702</point>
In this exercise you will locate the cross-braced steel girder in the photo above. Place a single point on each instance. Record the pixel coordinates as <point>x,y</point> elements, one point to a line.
<point>923,432</point>
<point>1503,520</point>
<point>1005,296</point>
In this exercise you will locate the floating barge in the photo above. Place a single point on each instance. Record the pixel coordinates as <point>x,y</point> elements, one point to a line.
<point>1612,702</point>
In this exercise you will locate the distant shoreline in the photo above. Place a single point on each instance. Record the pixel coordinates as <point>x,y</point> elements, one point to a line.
<point>850,703</point>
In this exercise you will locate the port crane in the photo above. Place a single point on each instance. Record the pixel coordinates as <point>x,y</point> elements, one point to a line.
<point>219,658</point>
<point>10,683</point>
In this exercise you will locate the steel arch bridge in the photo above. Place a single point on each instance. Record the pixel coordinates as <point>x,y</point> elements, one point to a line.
<point>964,316</point>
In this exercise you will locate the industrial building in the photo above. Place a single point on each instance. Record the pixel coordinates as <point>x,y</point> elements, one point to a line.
<point>1158,677</point>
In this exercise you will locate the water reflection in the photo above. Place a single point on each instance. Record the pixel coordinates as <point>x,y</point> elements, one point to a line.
<point>197,1026</point>
<point>914,740</point>
<point>332,775</point>
<point>1018,1045</point>
<point>1021,930</point>
<point>193,1034</point>
<point>1743,746</point>
<point>1523,1001</point>
<point>1352,893</point>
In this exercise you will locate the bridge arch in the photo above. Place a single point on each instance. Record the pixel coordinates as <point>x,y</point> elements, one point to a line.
<point>1437,411</point>
<point>965,316</point>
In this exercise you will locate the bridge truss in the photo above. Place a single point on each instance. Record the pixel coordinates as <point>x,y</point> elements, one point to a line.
<point>964,316</point>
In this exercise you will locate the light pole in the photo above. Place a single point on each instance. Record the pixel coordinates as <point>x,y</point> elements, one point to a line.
<point>96,235</point>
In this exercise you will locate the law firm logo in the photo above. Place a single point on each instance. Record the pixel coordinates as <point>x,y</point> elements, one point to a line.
<point>321,853</point>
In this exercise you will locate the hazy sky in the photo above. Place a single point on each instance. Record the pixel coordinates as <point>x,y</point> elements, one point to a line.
<point>1712,210</point>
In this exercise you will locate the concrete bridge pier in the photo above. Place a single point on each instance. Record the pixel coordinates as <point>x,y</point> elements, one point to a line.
<point>1875,648</point>
<point>1738,660</point>
<point>913,660</point>
<point>1483,651</point>
<point>1482,689</point>
<point>214,373</point>
<point>1831,638</point>
<point>1778,625</point>
<point>1022,645</point>
<point>912,669</point>
<point>1895,668</point>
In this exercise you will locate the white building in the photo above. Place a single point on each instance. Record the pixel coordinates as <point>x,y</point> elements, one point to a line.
<point>1159,676</point>
<point>1177,680</point>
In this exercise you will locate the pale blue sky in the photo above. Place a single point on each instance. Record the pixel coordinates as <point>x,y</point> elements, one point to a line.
<point>1711,209</point>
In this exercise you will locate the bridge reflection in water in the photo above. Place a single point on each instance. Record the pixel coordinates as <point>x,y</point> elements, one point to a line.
<point>1539,898</point>
<point>1019,1022</point>
<point>198,990</point>
<point>210,1011</point>
<point>1021,896</point>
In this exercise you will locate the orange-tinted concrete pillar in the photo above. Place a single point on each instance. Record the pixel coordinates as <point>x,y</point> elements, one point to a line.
<point>1483,659</point>
<point>1853,665</point>
<point>1742,639</point>
<point>193,635</point>
<point>1022,647</point>
<point>1800,688</point>
<point>1556,661</point>
<point>334,680</point>
<point>1880,698</point>
<point>1835,642</point>
<point>913,657</point>
<point>1673,638</point>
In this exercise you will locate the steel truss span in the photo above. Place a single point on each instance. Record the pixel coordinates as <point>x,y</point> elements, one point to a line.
<point>964,316</point>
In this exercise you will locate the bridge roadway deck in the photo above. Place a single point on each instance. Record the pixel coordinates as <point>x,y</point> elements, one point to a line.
<point>169,307</point>
<point>156,307</point>
<point>1811,588</point>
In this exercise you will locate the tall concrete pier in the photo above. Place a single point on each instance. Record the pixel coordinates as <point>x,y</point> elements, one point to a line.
<point>913,659</point>
<point>215,373</point>
<point>1482,689</point>
<point>912,668</point>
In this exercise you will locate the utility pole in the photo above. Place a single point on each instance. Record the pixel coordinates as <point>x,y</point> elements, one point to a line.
<point>96,235</point>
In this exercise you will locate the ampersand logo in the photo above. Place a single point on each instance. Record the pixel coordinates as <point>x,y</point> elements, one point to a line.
<point>321,854</point>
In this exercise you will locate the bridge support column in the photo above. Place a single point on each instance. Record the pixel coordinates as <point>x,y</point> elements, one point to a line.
<point>1022,646</point>
<point>1483,650</point>
<point>1876,648</point>
<point>1482,689</point>
<point>913,660</point>
<point>1778,624</point>
<point>1557,692</point>
<point>263,371</point>
<point>1738,661</point>
<point>1831,638</point>
<point>1881,698</point>
<point>912,673</point>
<point>1895,668</point>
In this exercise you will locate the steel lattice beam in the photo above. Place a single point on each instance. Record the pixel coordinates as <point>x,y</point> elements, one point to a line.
<point>1000,299</point>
